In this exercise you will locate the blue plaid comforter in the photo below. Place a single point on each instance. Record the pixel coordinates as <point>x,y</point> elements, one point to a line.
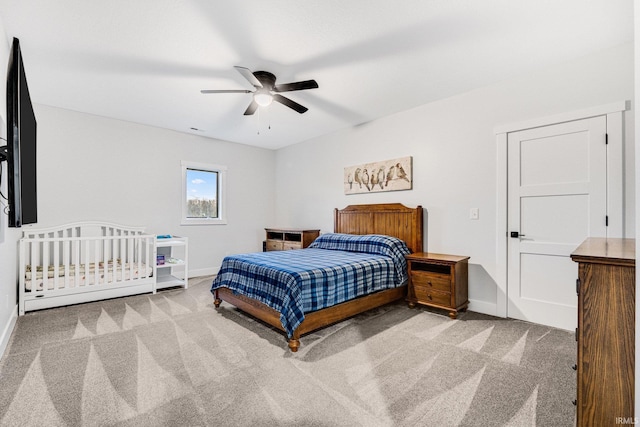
<point>333,269</point>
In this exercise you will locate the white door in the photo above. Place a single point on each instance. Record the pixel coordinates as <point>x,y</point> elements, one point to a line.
<point>557,196</point>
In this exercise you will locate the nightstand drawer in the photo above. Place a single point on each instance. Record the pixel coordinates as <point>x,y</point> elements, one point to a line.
<point>427,295</point>
<point>291,245</point>
<point>274,245</point>
<point>430,281</point>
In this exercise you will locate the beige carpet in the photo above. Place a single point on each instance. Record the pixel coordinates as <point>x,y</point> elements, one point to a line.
<point>172,359</point>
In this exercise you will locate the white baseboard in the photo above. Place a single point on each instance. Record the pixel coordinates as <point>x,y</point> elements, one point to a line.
<point>6,334</point>
<point>484,307</point>
<point>203,272</point>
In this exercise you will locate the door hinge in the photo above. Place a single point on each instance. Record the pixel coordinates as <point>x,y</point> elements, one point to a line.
<point>606,220</point>
<point>606,138</point>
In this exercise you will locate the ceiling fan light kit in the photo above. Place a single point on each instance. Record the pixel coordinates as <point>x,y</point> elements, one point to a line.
<point>263,98</point>
<point>264,83</point>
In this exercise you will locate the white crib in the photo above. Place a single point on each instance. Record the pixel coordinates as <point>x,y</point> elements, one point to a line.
<point>83,261</point>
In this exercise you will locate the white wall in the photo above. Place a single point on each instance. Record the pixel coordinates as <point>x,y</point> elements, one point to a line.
<point>8,264</point>
<point>97,168</point>
<point>94,168</point>
<point>8,237</point>
<point>453,145</point>
<point>637,166</point>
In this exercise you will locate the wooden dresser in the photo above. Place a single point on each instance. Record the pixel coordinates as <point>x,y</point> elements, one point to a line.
<point>606,331</point>
<point>438,280</point>
<point>283,239</point>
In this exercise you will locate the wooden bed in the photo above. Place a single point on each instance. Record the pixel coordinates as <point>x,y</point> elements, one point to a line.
<point>392,219</point>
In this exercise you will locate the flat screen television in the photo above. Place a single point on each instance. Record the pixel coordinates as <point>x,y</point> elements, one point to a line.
<point>20,151</point>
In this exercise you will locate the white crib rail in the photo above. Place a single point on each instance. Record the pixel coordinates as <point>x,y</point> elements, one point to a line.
<point>84,257</point>
<point>83,229</point>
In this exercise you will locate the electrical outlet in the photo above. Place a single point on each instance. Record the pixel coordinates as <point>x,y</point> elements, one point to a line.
<point>474,213</point>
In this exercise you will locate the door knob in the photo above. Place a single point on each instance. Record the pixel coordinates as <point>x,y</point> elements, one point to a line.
<point>516,235</point>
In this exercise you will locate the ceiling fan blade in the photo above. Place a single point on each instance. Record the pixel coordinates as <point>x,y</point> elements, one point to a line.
<point>288,87</point>
<point>251,108</point>
<point>247,74</point>
<point>289,103</point>
<point>226,91</point>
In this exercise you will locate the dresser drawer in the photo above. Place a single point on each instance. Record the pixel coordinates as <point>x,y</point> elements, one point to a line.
<point>291,245</point>
<point>431,281</point>
<point>275,245</point>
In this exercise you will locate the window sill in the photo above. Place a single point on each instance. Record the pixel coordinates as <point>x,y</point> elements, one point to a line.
<point>203,221</point>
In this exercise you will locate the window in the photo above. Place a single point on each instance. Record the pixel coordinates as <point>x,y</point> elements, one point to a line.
<point>203,194</point>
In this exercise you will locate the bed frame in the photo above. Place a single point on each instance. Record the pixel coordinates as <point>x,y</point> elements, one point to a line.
<point>392,219</point>
<point>85,261</point>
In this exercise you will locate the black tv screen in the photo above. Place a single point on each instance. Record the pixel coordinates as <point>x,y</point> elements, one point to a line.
<point>21,144</point>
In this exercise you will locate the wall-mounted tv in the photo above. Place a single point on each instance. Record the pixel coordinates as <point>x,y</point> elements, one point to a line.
<point>20,151</point>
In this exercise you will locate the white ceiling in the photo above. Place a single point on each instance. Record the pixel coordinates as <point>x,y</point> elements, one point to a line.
<point>145,61</point>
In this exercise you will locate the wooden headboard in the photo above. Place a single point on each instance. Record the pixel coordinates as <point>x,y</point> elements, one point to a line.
<point>392,219</point>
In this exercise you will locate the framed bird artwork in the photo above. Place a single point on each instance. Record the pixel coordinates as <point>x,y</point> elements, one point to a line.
<point>387,175</point>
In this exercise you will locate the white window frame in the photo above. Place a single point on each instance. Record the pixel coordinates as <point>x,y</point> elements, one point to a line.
<point>222,193</point>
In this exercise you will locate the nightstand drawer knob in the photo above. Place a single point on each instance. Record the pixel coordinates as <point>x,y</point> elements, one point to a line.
<point>429,283</point>
<point>429,296</point>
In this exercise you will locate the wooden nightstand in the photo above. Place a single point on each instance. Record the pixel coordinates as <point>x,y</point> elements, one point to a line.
<point>438,280</point>
<point>283,239</point>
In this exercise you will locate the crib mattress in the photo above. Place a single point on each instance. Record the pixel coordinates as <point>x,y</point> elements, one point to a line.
<point>86,276</point>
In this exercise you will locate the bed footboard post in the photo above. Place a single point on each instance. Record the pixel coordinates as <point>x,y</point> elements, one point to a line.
<point>294,342</point>
<point>217,301</point>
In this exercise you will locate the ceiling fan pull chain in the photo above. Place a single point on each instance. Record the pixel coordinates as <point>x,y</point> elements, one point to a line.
<point>259,120</point>
<point>268,119</point>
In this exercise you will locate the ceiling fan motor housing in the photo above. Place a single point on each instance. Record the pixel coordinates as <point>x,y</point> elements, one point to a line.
<point>267,79</point>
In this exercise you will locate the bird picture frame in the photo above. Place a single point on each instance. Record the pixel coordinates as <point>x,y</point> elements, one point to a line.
<point>375,177</point>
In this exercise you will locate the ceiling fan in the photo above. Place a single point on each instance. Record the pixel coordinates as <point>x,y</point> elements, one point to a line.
<point>266,90</point>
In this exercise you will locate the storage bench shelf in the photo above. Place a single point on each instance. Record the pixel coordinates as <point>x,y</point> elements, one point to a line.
<point>170,274</point>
